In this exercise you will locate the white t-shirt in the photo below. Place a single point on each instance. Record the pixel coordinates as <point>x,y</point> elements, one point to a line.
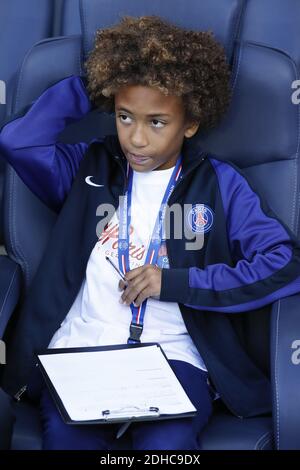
<point>96,317</point>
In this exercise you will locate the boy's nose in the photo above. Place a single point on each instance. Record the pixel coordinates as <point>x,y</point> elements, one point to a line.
<point>139,139</point>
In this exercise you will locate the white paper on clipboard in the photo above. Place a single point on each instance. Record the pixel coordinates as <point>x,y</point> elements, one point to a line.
<point>124,381</point>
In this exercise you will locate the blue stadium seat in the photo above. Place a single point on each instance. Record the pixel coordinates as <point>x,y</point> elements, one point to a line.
<point>22,24</point>
<point>259,133</point>
<point>70,18</point>
<point>66,18</point>
<point>18,33</point>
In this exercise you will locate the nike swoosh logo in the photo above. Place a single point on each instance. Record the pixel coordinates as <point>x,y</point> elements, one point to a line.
<point>88,181</point>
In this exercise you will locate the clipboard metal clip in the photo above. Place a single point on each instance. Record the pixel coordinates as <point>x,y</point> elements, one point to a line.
<point>130,411</point>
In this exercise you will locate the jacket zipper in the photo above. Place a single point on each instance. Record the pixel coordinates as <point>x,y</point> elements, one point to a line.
<point>117,158</point>
<point>182,177</point>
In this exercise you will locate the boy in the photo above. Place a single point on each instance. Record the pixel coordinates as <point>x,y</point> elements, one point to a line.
<point>164,83</point>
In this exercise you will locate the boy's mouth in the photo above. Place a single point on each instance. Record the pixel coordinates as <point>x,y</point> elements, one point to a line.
<point>138,159</point>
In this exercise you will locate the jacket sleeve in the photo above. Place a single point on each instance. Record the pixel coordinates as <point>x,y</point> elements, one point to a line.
<point>267,254</point>
<point>29,144</point>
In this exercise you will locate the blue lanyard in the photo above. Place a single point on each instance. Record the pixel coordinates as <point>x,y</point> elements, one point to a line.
<point>138,313</point>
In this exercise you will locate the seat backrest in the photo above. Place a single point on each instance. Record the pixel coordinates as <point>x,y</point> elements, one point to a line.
<point>21,25</point>
<point>67,21</point>
<point>259,133</point>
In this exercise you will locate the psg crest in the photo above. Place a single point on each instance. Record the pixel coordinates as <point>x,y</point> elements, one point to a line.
<point>200,218</point>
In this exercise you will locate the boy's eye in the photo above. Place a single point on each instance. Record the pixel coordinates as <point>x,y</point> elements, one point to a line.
<point>127,120</point>
<point>159,122</point>
<point>123,116</point>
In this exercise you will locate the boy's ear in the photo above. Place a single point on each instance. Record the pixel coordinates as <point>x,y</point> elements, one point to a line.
<point>191,129</point>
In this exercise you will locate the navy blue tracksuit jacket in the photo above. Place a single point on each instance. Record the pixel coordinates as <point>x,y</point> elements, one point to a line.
<point>249,258</point>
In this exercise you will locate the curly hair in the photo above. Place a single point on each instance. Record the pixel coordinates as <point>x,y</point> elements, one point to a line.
<point>149,51</point>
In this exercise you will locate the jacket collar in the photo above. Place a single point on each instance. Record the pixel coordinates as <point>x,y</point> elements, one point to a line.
<point>191,151</point>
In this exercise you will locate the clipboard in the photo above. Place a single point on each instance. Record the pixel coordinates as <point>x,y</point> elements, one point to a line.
<point>109,416</point>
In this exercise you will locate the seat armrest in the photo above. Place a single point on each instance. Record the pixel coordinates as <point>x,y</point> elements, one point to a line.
<point>285,370</point>
<point>10,288</point>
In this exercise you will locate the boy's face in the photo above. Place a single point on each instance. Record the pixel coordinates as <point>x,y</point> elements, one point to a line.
<point>150,142</point>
